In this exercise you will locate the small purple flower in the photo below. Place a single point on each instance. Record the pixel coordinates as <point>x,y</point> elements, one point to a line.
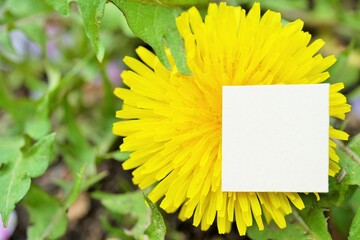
<point>6,232</point>
<point>113,70</point>
<point>356,107</point>
<point>23,45</point>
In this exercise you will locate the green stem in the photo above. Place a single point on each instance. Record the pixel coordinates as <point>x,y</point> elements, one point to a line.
<point>301,222</point>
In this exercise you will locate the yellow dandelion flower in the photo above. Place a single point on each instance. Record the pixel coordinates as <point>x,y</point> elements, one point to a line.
<point>172,122</point>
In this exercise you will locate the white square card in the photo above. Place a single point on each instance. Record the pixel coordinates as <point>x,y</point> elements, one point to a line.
<point>275,138</point>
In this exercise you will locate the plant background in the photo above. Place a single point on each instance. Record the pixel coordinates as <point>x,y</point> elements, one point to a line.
<point>60,168</point>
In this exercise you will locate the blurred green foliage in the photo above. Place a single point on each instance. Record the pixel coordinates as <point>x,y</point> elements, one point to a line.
<point>59,63</point>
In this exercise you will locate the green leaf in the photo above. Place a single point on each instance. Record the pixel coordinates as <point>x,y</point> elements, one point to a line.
<point>310,223</point>
<point>17,170</point>
<point>132,204</point>
<point>39,123</point>
<point>19,109</point>
<point>341,188</point>
<point>176,2</point>
<point>316,223</point>
<point>36,159</point>
<point>47,216</point>
<point>157,228</point>
<point>355,227</point>
<point>343,70</point>
<point>325,10</point>
<point>271,231</point>
<point>92,13</point>
<point>149,223</point>
<point>340,219</point>
<point>155,24</point>
<point>105,117</point>
<point>31,8</point>
<point>354,144</point>
<point>62,6</point>
<point>114,231</point>
<point>352,176</point>
<point>10,149</point>
<point>354,201</point>
<point>76,188</point>
<point>115,19</point>
<point>337,195</point>
<point>282,5</point>
<point>77,151</point>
